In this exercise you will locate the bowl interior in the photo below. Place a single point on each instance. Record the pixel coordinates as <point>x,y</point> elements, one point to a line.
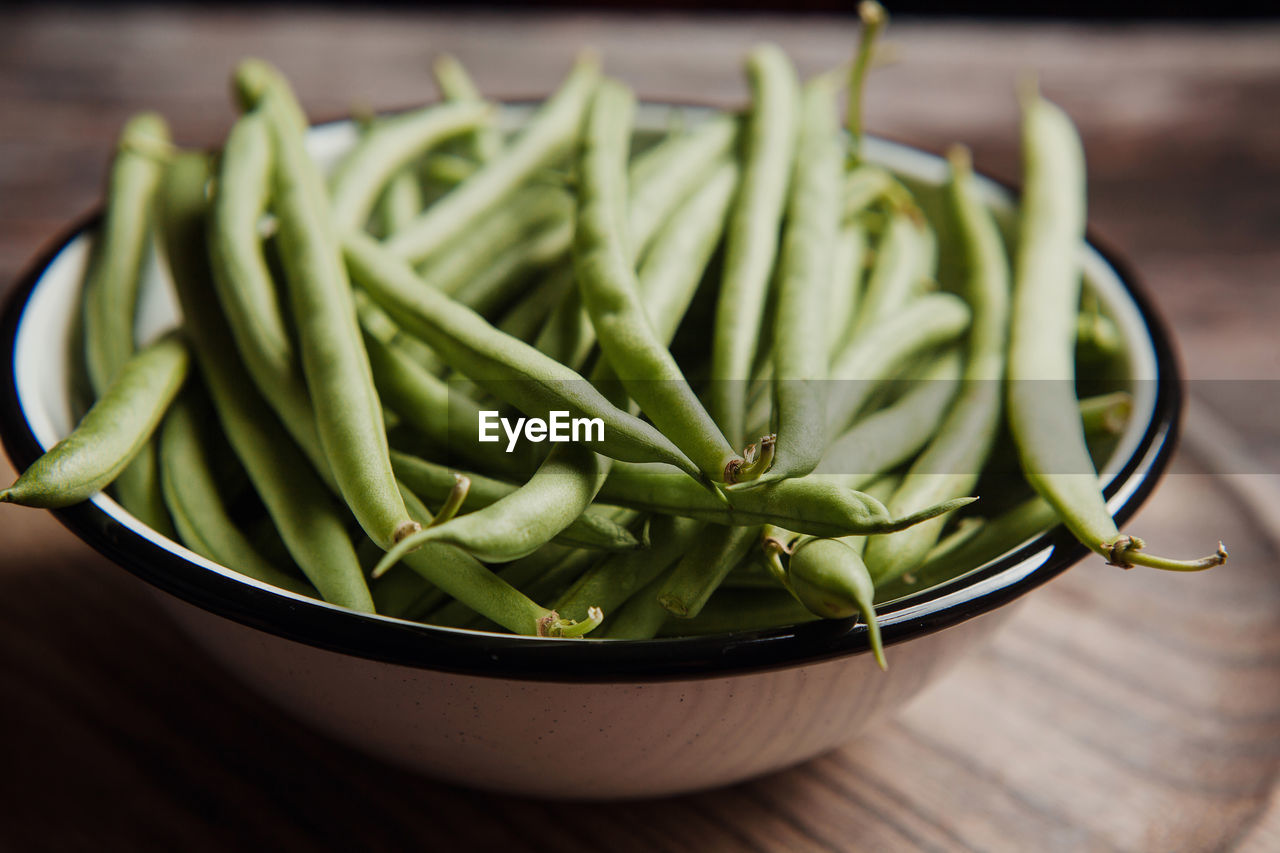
<point>44,329</point>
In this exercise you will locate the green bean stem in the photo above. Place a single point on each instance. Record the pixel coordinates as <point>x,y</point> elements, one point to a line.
<point>1043,414</point>
<point>874,20</point>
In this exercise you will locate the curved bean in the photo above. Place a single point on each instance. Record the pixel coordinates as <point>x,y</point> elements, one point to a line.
<point>456,85</point>
<point>389,147</point>
<point>1043,414</point>
<point>830,579</point>
<point>111,433</point>
<point>592,529</point>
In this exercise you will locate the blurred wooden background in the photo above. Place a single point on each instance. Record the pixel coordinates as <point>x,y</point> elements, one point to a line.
<point>1117,711</point>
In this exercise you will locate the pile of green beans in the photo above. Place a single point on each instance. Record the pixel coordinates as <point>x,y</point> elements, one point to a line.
<point>812,377</point>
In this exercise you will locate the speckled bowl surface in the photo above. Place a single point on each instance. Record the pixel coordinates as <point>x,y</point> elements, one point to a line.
<point>589,719</point>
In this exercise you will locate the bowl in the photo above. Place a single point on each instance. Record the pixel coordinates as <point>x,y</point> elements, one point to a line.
<point>586,719</point>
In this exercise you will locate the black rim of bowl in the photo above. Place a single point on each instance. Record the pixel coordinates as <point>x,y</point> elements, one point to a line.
<point>427,647</point>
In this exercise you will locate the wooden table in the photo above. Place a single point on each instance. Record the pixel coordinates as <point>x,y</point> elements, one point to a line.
<point>1129,711</point>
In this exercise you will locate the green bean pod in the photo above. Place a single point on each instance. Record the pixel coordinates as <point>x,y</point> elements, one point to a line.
<point>523,520</point>
<point>463,577</point>
<point>400,203</point>
<point>752,238</point>
<point>549,136</point>
<point>898,267</point>
<point>592,529</point>
<point>198,511</point>
<point>929,322</point>
<point>610,292</point>
<point>830,579</point>
<point>801,353</point>
<point>732,611</point>
<point>390,146</point>
<point>891,436</point>
<point>510,270</point>
<point>505,366</point>
<point>311,525</point>
<point>846,285</point>
<point>690,583</point>
<point>119,250</point>
<point>244,284</point>
<point>485,141</point>
<point>614,580</point>
<point>348,413</point>
<point>111,433</point>
<point>1044,418</point>
<point>814,505</point>
<point>954,459</point>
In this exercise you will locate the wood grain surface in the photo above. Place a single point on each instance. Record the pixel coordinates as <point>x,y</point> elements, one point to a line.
<point>1117,711</point>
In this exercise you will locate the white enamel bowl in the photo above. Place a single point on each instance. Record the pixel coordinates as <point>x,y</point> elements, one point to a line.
<point>629,718</point>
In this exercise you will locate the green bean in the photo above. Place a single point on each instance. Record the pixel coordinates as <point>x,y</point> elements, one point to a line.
<point>311,525</point>
<point>401,201</point>
<point>1043,414</point>
<point>548,136</point>
<point>245,287</point>
<point>198,512</point>
<point>494,286</point>
<point>402,594</point>
<point>502,365</point>
<point>658,188</point>
<point>897,269</point>
<point>527,212</point>
<point>927,323</point>
<point>111,433</point>
<point>865,185</point>
<point>347,411</point>
<point>1106,414</point>
<point>801,353</point>
<point>874,19</point>
<point>254,79</point>
<point>390,146</point>
<point>111,291</point>
<point>115,265</point>
<point>592,529</point>
<point>456,85</point>
<point>691,581</point>
<point>953,460</point>
<point>812,505</point>
<point>674,265</point>
<point>752,238</point>
<point>525,319</point>
<point>463,577</point>
<point>445,171</point>
<point>610,292</point>
<point>447,418</point>
<point>532,575</point>
<point>846,285</point>
<point>641,617</point>
<point>830,579</point>
<point>611,582</point>
<point>891,436</point>
<point>974,546</point>
<point>734,611</point>
<point>523,520</point>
